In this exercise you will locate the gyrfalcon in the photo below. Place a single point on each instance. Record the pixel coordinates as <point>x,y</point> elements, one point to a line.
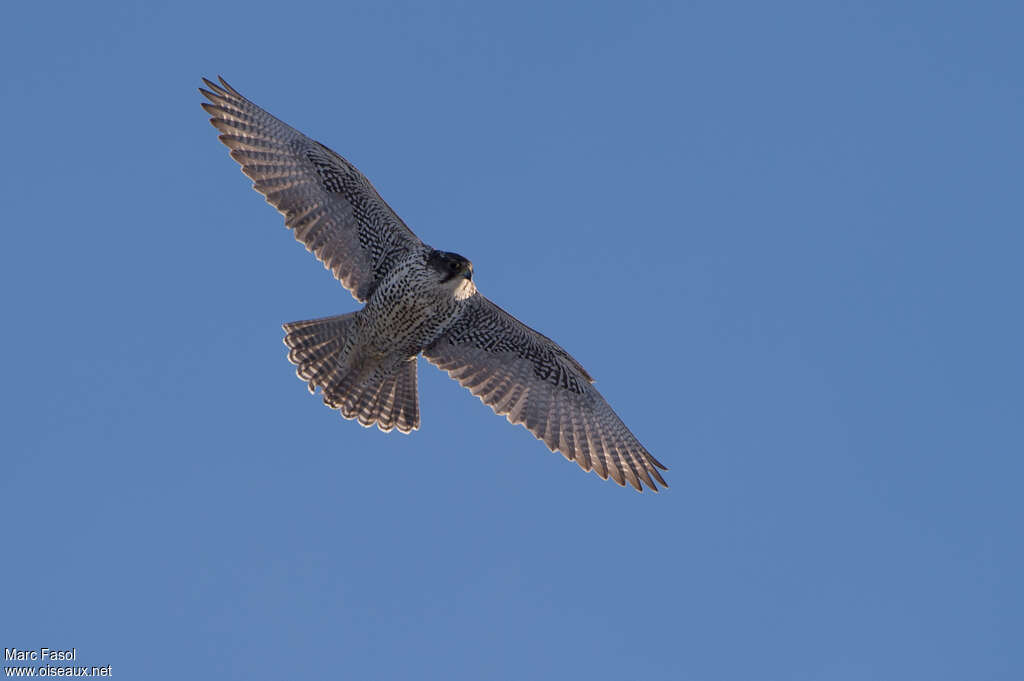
<point>418,299</point>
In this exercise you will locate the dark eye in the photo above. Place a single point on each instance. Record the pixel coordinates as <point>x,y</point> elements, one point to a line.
<point>454,266</point>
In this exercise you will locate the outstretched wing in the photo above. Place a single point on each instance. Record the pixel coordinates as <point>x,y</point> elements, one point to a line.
<point>526,376</point>
<point>331,206</point>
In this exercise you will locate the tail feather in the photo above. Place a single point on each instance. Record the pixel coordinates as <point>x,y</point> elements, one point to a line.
<point>316,346</point>
<point>395,404</point>
<point>368,407</point>
<point>388,400</point>
<point>385,398</point>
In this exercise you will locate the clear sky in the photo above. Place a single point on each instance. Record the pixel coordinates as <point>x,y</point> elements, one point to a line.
<point>786,239</point>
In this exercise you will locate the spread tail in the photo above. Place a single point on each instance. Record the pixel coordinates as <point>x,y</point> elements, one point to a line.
<point>376,396</point>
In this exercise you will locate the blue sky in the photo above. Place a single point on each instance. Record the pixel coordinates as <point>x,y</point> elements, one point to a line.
<point>784,237</point>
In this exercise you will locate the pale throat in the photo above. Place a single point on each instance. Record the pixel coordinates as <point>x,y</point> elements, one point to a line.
<point>465,289</point>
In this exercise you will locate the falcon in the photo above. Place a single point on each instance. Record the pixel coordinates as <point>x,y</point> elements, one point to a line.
<point>417,300</point>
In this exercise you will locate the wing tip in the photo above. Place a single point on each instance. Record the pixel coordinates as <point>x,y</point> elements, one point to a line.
<point>640,476</point>
<point>222,87</point>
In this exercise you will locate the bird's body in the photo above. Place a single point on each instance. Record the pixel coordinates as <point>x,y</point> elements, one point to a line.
<point>418,300</point>
<point>409,309</point>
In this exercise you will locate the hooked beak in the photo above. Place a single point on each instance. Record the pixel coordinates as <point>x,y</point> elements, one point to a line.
<point>467,272</point>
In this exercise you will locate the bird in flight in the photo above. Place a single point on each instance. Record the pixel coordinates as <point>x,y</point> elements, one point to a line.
<point>418,300</point>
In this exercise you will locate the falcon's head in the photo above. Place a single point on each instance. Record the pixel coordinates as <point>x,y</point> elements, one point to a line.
<point>453,271</point>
